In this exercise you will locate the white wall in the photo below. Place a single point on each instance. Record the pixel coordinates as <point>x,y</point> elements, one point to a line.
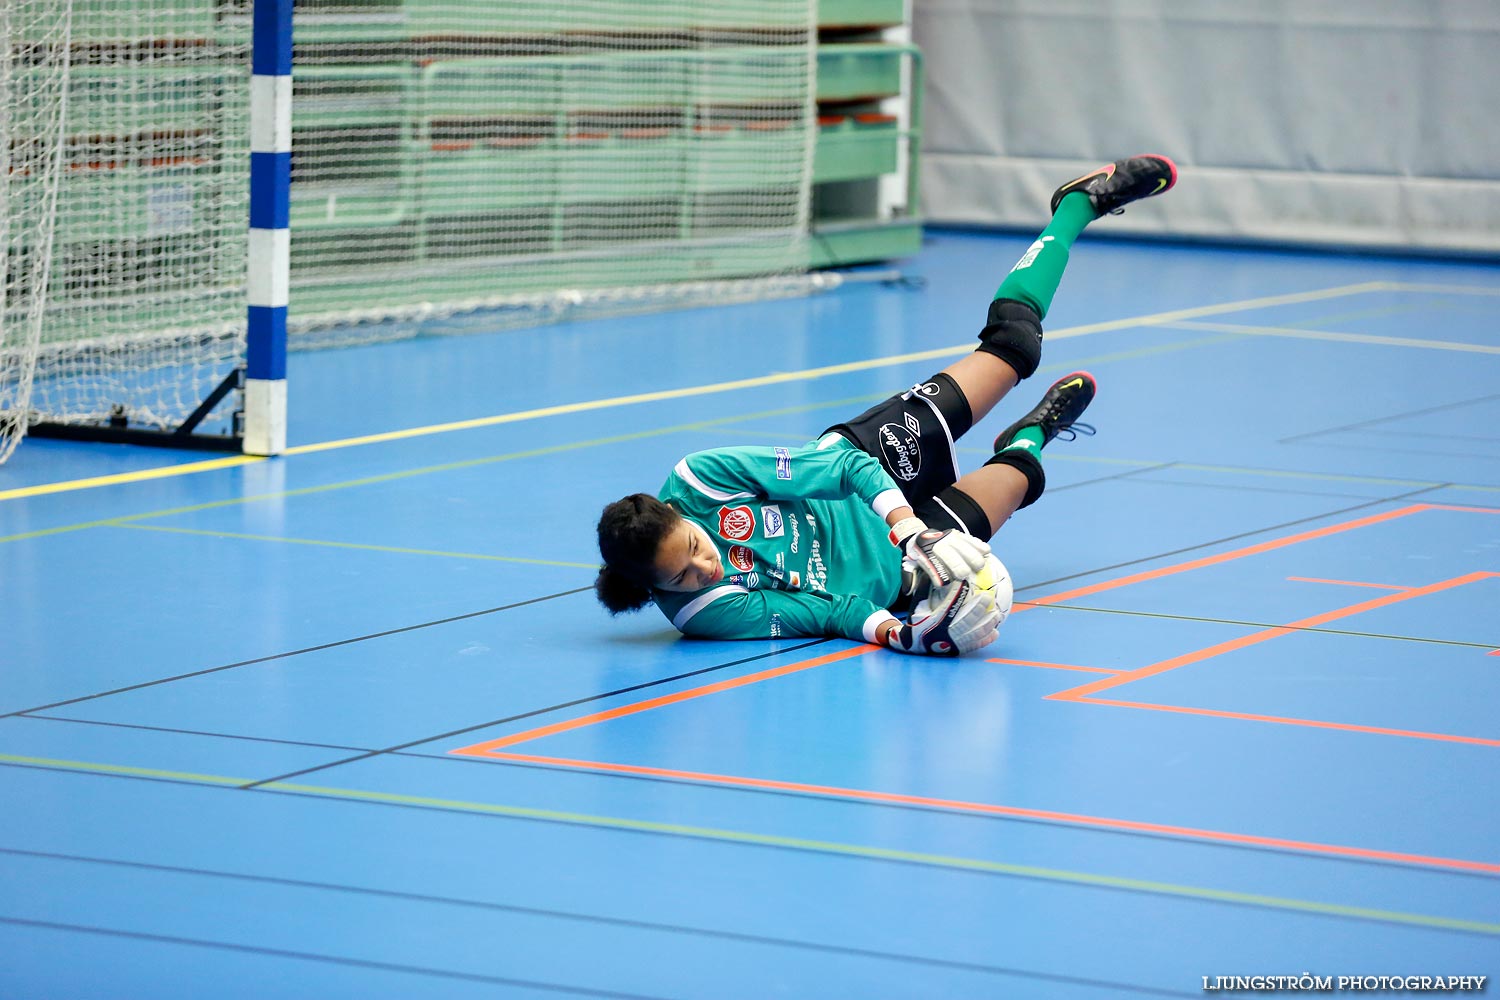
<point>1372,123</point>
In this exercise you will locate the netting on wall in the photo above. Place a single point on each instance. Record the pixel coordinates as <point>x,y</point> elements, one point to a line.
<point>456,154</point>
<point>532,160</point>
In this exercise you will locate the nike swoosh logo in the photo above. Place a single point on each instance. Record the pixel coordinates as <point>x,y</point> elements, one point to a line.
<point>1161,183</point>
<point>1071,384</point>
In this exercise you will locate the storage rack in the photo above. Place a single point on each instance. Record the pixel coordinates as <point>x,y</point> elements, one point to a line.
<point>864,168</point>
<point>357,88</point>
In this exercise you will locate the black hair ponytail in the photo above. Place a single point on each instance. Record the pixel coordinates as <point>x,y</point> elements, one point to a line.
<point>618,594</point>
<point>630,531</point>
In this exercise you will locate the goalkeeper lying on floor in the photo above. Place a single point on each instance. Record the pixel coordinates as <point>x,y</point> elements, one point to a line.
<point>871,520</point>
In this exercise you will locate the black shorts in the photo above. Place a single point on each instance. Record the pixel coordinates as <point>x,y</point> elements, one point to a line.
<point>912,436</point>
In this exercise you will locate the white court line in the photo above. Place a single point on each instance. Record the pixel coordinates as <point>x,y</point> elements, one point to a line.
<point>1408,286</point>
<point>1297,333</point>
<point>806,374</point>
<point>1153,319</point>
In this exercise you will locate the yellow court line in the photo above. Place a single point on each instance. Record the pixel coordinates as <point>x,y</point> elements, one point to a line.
<point>836,848</point>
<point>552,449</point>
<point>353,545</point>
<point>647,397</point>
<point>115,522</point>
<point>141,475</point>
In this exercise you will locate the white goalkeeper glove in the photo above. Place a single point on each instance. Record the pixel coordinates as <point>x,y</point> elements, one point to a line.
<point>943,556</point>
<point>958,618</point>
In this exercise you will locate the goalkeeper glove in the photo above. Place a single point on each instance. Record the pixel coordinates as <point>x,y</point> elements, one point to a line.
<point>958,618</point>
<point>942,556</point>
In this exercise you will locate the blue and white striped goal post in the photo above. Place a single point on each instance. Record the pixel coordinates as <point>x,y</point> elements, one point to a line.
<point>269,265</point>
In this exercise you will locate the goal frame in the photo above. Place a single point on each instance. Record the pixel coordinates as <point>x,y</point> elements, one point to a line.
<point>259,427</point>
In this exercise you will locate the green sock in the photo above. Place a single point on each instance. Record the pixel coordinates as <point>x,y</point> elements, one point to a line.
<point>1037,274</point>
<point>1029,438</point>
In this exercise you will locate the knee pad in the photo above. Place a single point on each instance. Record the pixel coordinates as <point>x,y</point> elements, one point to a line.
<point>953,508</point>
<point>1030,466</point>
<point>1013,334</point>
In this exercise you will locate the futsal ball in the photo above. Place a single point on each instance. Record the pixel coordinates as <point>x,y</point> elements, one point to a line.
<point>995,579</point>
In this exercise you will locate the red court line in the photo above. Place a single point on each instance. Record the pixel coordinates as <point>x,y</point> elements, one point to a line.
<point>490,749</point>
<point>1312,723</point>
<point>1222,557</point>
<point>1347,583</point>
<point>1197,655</point>
<point>955,805</point>
<point>1466,510</point>
<point>483,749</point>
<point>1056,666</point>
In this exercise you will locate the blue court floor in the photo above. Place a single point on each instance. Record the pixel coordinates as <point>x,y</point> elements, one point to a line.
<point>349,723</point>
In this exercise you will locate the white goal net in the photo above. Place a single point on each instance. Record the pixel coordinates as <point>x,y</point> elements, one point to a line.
<point>509,163</point>
<point>33,89</point>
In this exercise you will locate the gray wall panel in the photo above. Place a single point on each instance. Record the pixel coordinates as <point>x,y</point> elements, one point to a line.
<point>1370,123</point>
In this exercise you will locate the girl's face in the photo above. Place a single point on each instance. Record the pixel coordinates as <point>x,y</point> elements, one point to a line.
<point>686,560</point>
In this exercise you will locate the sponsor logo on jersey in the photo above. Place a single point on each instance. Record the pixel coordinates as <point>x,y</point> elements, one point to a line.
<point>794,581</point>
<point>741,558</point>
<point>901,448</point>
<point>783,464</point>
<point>773,524</point>
<point>736,523</point>
<point>817,570</point>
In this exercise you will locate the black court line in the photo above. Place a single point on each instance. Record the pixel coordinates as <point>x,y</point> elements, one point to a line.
<point>1234,538</point>
<point>1238,488</point>
<point>403,746</point>
<point>907,862</point>
<point>1265,625</point>
<point>187,732</point>
<point>594,918</point>
<point>1387,419</point>
<point>1433,435</point>
<point>833,799</point>
<point>308,956</point>
<point>299,652</point>
<point>540,711</point>
<point>1113,476</point>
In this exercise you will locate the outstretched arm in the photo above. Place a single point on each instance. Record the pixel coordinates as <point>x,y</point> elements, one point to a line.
<point>954,620</point>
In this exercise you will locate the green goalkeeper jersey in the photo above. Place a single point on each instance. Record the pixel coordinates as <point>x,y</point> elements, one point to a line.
<point>802,537</point>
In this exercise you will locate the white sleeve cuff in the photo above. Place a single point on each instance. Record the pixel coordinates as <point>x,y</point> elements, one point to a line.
<point>888,501</point>
<point>873,623</point>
